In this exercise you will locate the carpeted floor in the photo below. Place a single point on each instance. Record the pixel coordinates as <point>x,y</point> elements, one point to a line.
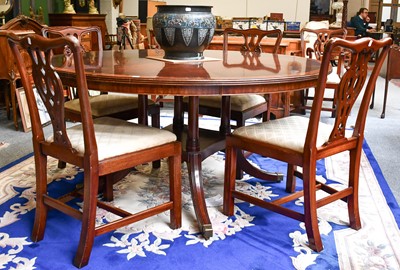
<point>382,135</point>
<point>253,239</point>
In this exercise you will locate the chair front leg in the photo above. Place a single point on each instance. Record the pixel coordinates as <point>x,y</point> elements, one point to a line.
<point>352,200</point>
<point>229,179</point>
<point>41,190</point>
<point>310,207</point>
<point>175,191</point>
<point>91,186</point>
<point>290,178</point>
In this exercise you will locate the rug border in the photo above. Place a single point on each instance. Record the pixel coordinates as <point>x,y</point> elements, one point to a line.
<point>15,162</point>
<point>387,192</point>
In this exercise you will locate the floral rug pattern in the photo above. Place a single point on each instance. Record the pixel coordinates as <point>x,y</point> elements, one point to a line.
<point>375,246</point>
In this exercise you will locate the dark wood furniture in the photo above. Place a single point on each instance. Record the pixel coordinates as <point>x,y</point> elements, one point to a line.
<point>252,38</point>
<point>318,38</point>
<point>392,72</point>
<point>102,147</point>
<point>300,141</point>
<point>136,73</point>
<point>118,106</point>
<point>243,107</point>
<point>124,107</point>
<point>20,25</point>
<point>80,19</point>
<point>247,106</point>
<point>90,37</point>
<point>287,45</point>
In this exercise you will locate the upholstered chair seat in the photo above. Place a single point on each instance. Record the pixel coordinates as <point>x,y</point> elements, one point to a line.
<point>276,132</point>
<point>115,137</point>
<point>103,105</point>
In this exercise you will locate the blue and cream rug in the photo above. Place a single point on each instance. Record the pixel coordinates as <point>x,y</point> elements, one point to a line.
<point>253,239</point>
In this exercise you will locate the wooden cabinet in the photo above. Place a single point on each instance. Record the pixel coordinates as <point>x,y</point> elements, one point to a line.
<point>20,25</point>
<point>152,7</point>
<point>79,19</point>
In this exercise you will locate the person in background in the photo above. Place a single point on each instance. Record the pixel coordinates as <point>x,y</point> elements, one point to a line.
<point>360,23</point>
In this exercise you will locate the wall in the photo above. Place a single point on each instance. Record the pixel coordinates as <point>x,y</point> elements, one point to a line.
<point>106,7</point>
<point>354,6</point>
<point>293,10</point>
<point>37,3</point>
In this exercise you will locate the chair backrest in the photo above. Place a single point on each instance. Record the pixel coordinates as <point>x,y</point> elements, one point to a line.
<point>90,37</point>
<point>22,22</point>
<point>50,90</point>
<point>252,38</point>
<point>358,53</point>
<point>313,41</point>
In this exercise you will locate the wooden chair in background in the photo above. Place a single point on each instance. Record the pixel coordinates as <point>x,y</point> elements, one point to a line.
<point>313,42</point>
<point>301,141</point>
<point>120,106</point>
<point>114,105</point>
<point>101,147</point>
<point>392,72</point>
<point>243,107</point>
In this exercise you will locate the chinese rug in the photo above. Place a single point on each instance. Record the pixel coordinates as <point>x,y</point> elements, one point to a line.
<point>253,238</point>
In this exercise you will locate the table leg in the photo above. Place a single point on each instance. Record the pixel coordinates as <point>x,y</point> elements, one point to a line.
<point>225,127</point>
<point>142,109</point>
<point>13,90</point>
<point>178,116</point>
<point>194,160</point>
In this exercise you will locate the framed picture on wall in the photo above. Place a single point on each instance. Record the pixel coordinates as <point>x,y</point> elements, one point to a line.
<point>24,110</point>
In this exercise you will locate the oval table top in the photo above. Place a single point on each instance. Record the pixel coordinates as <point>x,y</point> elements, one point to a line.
<point>229,73</point>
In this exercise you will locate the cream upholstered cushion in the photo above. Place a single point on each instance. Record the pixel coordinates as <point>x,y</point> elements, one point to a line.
<point>317,25</point>
<point>333,78</point>
<point>238,102</point>
<point>288,132</point>
<point>103,105</point>
<point>115,137</point>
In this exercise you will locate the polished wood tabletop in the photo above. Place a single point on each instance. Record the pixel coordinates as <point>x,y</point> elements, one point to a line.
<point>221,73</point>
<point>128,71</point>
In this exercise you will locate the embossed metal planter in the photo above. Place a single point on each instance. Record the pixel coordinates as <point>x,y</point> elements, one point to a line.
<point>183,31</point>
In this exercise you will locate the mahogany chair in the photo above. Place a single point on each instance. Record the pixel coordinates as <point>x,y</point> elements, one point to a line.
<point>300,141</point>
<point>313,42</point>
<point>243,107</point>
<point>114,105</point>
<point>392,72</point>
<point>102,146</point>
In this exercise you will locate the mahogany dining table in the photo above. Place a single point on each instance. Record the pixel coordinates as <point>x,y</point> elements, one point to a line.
<point>144,72</point>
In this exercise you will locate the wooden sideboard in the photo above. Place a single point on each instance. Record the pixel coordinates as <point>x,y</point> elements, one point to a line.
<point>287,46</point>
<point>79,19</point>
<point>20,25</point>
